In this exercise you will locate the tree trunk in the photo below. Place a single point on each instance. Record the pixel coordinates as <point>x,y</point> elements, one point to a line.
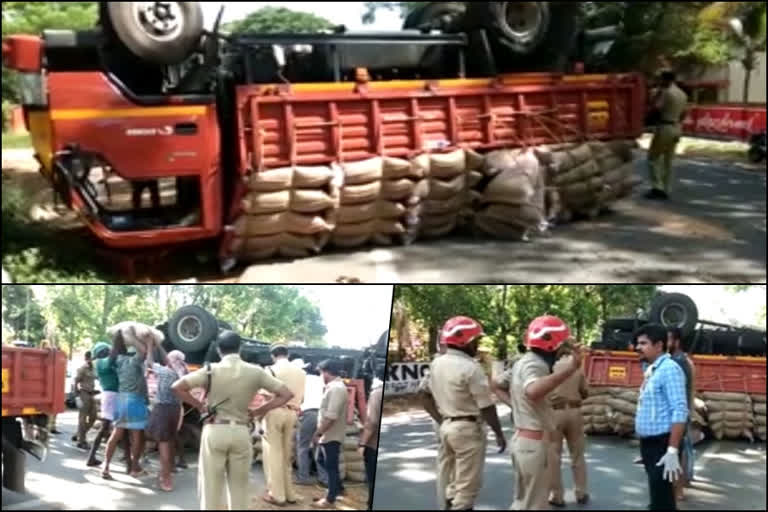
<point>747,80</point>
<point>432,340</point>
<point>106,307</point>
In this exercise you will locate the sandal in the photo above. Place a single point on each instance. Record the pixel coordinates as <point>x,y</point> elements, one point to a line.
<point>139,473</point>
<point>106,476</point>
<point>322,503</point>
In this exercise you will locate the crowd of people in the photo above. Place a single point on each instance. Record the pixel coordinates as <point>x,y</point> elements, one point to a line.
<point>303,412</point>
<point>544,387</point>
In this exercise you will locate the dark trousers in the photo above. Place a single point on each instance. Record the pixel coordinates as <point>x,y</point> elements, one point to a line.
<point>370,469</point>
<point>329,458</point>
<point>662,492</point>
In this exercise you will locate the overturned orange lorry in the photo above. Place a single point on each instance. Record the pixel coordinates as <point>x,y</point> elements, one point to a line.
<point>149,100</point>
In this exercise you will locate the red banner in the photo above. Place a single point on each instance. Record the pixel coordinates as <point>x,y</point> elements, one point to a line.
<point>732,122</point>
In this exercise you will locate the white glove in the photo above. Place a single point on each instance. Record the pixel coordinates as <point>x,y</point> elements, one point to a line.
<point>79,402</point>
<point>671,463</point>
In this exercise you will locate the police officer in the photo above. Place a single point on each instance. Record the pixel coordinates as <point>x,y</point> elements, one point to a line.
<point>444,480</point>
<point>225,445</point>
<point>566,403</point>
<point>279,430</point>
<point>501,384</point>
<point>457,396</point>
<point>532,381</point>
<point>670,103</point>
<point>85,389</point>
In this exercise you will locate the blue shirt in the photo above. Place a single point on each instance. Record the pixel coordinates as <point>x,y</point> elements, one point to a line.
<point>662,400</point>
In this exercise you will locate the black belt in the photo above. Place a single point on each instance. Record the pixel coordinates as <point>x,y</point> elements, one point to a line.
<point>462,418</point>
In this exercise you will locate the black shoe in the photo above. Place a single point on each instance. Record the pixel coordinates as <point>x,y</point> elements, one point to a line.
<point>55,432</point>
<point>83,446</point>
<point>182,464</point>
<point>663,195</point>
<point>558,504</point>
<point>654,193</point>
<point>92,463</point>
<point>583,500</point>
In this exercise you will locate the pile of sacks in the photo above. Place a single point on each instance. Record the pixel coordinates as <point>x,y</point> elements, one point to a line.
<point>353,463</point>
<point>730,415</point>
<point>379,201</point>
<point>758,406</point>
<point>136,334</point>
<point>610,410</point>
<point>448,196</point>
<point>289,212</point>
<point>583,179</point>
<point>511,204</point>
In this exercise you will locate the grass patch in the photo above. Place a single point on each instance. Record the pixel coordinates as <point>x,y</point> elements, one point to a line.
<point>35,253</point>
<point>12,141</point>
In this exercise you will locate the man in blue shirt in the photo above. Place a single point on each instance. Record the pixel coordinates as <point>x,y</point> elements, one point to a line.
<point>662,412</point>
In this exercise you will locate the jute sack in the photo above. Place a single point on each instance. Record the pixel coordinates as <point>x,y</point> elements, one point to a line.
<point>261,243</point>
<point>311,201</point>
<point>609,162</point>
<point>389,227</point>
<point>562,161</point>
<point>313,176</point>
<point>724,396</point>
<point>437,231</point>
<point>443,206</point>
<point>354,213</point>
<point>364,171</point>
<point>588,409</point>
<point>717,405</point>
<point>349,241</point>
<point>397,189</point>
<point>498,229</point>
<point>760,432</point>
<point>396,168</point>
<point>527,216</point>
<point>435,221</point>
<point>577,174</point>
<point>629,395</point>
<point>356,476</point>
<point>390,209</point>
<point>509,188</point>
<point>760,420</point>
<point>357,465</point>
<point>270,224</point>
<point>447,165</point>
<point>620,405</point>
<point>256,203</point>
<point>367,228</point>
<point>445,189</point>
<point>758,398</point>
<point>270,180</point>
<point>357,194</point>
<point>473,178</point>
<point>474,160</point>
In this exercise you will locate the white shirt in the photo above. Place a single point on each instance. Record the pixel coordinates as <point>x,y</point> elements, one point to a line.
<point>313,392</point>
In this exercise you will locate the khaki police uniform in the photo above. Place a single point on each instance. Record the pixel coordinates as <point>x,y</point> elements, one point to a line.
<point>279,432</point>
<point>226,452</point>
<point>504,381</point>
<point>460,389</point>
<point>530,443</point>
<point>566,403</point>
<point>666,136</point>
<point>86,377</point>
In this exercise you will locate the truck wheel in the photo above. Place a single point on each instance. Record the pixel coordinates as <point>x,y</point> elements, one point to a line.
<point>14,462</point>
<point>675,310</point>
<point>441,15</point>
<point>159,32</point>
<point>755,155</point>
<point>519,26</point>
<point>621,324</point>
<point>192,329</point>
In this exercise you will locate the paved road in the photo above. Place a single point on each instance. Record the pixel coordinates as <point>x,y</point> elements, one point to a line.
<point>729,475</point>
<point>63,482</point>
<point>714,230</point>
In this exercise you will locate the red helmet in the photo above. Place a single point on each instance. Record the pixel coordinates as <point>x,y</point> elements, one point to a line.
<point>547,333</point>
<point>459,331</point>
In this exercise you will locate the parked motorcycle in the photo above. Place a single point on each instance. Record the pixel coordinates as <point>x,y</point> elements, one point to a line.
<point>756,153</point>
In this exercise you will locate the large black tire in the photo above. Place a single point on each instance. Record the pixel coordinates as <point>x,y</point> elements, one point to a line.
<point>159,36</point>
<point>675,310</point>
<point>755,155</point>
<point>14,466</point>
<point>520,27</point>
<point>433,12</point>
<point>192,329</point>
<point>621,324</point>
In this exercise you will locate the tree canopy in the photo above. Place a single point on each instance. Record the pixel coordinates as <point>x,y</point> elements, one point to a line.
<point>74,316</point>
<point>506,310</point>
<point>279,19</point>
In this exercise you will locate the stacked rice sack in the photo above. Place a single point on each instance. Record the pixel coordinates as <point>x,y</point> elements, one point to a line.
<point>610,410</point>
<point>136,334</point>
<point>699,421</point>
<point>446,193</point>
<point>288,212</point>
<point>730,415</point>
<point>512,203</point>
<point>584,179</point>
<point>377,201</point>
<point>758,406</point>
<point>354,465</point>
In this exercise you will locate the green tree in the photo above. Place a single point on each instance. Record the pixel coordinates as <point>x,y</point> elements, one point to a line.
<point>279,19</point>
<point>405,9</point>
<point>22,314</point>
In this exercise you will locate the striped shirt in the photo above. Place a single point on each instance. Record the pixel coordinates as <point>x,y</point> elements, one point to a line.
<point>662,400</point>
